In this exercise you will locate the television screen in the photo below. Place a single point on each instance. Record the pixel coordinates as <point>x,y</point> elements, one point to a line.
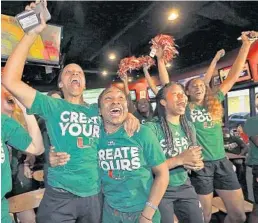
<point>244,75</point>
<point>45,50</point>
<point>151,93</point>
<point>133,95</point>
<point>91,96</point>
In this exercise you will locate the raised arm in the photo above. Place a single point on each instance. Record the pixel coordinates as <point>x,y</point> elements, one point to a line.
<point>238,64</point>
<point>15,65</point>
<point>211,69</point>
<point>131,107</point>
<point>163,73</point>
<point>33,129</point>
<point>149,80</point>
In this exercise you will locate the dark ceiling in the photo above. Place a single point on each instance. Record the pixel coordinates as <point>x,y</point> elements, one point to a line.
<point>92,29</point>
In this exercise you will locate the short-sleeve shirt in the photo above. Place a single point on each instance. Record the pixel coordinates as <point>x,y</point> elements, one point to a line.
<point>13,134</point>
<point>177,176</point>
<point>126,164</point>
<point>251,129</point>
<point>209,133</point>
<point>74,129</point>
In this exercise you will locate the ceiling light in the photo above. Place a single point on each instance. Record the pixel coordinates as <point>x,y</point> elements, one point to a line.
<point>130,79</point>
<point>112,56</point>
<point>104,73</point>
<point>173,15</point>
<point>168,65</point>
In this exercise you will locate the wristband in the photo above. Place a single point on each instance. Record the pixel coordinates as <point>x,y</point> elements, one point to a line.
<point>151,206</point>
<point>146,217</point>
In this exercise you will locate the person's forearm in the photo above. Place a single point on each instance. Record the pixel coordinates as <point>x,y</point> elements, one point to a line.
<point>174,162</point>
<point>157,192</point>
<point>150,82</point>
<point>15,64</point>
<point>34,132</point>
<point>163,73</point>
<point>127,91</point>
<point>236,68</point>
<point>210,71</point>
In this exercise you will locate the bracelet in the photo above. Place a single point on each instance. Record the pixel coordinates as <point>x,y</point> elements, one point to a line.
<point>151,206</point>
<point>146,217</point>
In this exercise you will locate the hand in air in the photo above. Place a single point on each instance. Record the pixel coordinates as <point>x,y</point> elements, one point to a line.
<point>38,29</point>
<point>249,37</point>
<point>160,53</point>
<point>219,54</point>
<point>146,67</point>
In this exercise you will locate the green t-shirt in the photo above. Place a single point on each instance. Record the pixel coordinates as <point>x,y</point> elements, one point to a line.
<point>209,133</point>
<point>177,176</point>
<point>13,134</point>
<point>73,129</point>
<point>251,129</point>
<point>126,164</point>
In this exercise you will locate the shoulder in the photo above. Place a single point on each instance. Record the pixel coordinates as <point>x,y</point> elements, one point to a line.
<point>154,124</point>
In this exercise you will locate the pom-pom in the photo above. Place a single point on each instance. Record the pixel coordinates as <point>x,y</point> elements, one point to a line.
<point>146,60</point>
<point>167,43</point>
<point>128,64</point>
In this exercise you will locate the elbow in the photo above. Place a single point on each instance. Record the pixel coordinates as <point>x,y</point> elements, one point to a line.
<point>40,150</point>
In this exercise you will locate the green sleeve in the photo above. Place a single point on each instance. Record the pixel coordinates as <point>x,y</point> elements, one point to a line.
<point>152,126</point>
<point>220,96</point>
<point>43,105</point>
<point>151,147</point>
<point>251,126</point>
<point>15,135</point>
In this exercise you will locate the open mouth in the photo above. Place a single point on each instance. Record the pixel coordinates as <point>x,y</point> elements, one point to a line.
<point>10,101</point>
<point>181,104</point>
<point>198,93</point>
<point>75,82</point>
<point>115,112</point>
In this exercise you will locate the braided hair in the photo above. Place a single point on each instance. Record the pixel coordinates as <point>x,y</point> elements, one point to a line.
<point>161,111</point>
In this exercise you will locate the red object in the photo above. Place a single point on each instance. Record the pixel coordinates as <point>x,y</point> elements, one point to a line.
<point>244,137</point>
<point>146,60</point>
<point>110,173</point>
<point>167,43</point>
<point>253,60</point>
<point>128,64</point>
<point>132,63</point>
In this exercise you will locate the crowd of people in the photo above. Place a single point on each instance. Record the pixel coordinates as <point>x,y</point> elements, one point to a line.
<point>114,161</point>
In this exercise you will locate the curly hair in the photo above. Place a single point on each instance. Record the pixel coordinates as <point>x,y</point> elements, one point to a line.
<point>210,102</point>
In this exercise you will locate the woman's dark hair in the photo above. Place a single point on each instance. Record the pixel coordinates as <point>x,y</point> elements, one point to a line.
<point>105,90</point>
<point>161,112</point>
